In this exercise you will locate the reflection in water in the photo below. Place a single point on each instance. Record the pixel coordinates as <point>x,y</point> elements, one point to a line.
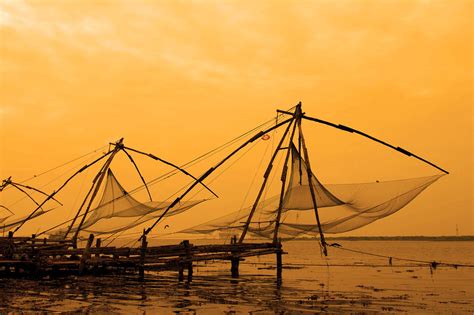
<point>302,289</point>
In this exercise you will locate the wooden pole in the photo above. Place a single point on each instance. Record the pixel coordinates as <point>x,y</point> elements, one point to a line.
<point>262,187</point>
<point>279,260</point>
<point>181,266</point>
<point>33,241</point>
<point>85,254</point>
<point>96,190</point>
<point>235,260</point>
<point>212,169</point>
<point>284,173</point>
<point>11,245</point>
<point>59,189</point>
<point>141,267</point>
<point>97,256</point>
<point>311,189</point>
<point>352,130</point>
<point>189,259</point>
<point>154,157</point>
<point>80,207</point>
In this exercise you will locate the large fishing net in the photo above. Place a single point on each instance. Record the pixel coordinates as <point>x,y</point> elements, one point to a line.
<point>341,207</point>
<point>118,211</point>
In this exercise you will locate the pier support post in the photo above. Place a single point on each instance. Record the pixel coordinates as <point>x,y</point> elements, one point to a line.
<point>180,272</point>
<point>185,261</point>
<point>33,257</point>
<point>141,268</point>
<point>11,245</point>
<point>189,259</point>
<point>85,254</point>
<point>97,256</point>
<point>33,241</point>
<point>279,261</point>
<point>234,268</point>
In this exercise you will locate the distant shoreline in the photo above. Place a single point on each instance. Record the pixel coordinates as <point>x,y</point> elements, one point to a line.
<point>401,238</point>
<point>462,238</point>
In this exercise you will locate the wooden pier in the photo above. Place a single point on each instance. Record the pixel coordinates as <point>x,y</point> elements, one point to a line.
<point>30,256</point>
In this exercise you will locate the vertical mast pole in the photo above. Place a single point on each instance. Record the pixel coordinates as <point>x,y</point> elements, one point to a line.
<point>311,188</point>
<point>265,179</point>
<point>297,117</point>
<point>118,147</point>
<point>211,170</point>
<point>94,182</point>
<point>299,162</point>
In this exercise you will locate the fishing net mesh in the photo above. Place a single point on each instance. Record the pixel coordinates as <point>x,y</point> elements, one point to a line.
<point>118,211</point>
<point>10,222</point>
<point>341,207</point>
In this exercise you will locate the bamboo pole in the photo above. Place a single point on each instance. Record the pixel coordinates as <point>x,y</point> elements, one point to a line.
<point>139,173</point>
<point>235,260</point>
<point>97,187</point>
<point>351,130</point>
<point>284,172</point>
<point>85,254</point>
<point>94,181</point>
<point>189,259</point>
<point>266,175</point>
<point>51,196</point>
<point>212,169</point>
<point>143,249</point>
<point>279,261</point>
<point>154,157</point>
<point>311,189</point>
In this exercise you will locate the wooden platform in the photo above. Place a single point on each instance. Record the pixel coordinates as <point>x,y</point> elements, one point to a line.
<point>30,256</point>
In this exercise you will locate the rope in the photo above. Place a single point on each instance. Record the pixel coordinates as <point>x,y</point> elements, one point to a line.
<point>433,264</point>
<point>61,165</point>
<point>201,157</point>
<point>228,167</point>
<point>193,161</point>
<point>75,166</point>
<point>210,182</point>
<point>173,172</point>
<point>190,163</point>
<point>253,181</point>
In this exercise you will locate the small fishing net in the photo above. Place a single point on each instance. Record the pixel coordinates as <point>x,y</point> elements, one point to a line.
<point>341,207</point>
<point>118,211</point>
<point>7,225</point>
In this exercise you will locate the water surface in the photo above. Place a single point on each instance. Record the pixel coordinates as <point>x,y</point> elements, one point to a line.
<point>344,281</point>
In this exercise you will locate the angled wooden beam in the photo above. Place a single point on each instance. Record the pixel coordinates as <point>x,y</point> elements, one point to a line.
<point>352,130</point>
<point>266,175</point>
<point>138,171</point>
<point>297,118</point>
<point>311,189</point>
<point>61,187</point>
<point>172,165</point>
<point>212,169</point>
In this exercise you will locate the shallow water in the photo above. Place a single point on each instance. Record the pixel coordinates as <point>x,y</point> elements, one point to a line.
<point>344,281</point>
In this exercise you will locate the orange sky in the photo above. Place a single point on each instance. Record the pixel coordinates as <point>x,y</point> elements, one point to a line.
<point>178,78</point>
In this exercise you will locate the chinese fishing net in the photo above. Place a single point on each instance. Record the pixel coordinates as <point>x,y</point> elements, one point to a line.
<point>341,207</point>
<point>118,211</point>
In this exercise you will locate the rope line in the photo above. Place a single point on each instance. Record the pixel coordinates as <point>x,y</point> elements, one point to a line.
<point>433,264</point>
<point>61,165</point>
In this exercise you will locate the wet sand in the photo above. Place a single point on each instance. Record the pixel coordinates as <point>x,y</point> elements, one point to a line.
<point>345,282</point>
